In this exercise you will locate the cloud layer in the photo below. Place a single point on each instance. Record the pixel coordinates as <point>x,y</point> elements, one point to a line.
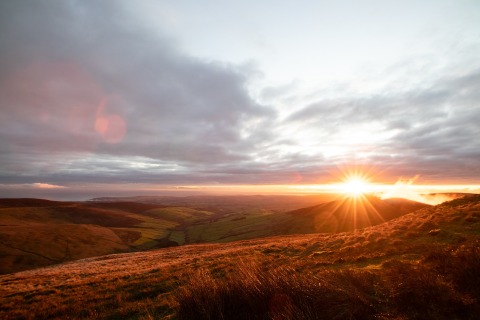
<point>91,94</point>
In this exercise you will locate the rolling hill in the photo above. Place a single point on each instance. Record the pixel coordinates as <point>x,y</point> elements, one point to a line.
<point>422,265</point>
<point>35,232</point>
<point>350,213</point>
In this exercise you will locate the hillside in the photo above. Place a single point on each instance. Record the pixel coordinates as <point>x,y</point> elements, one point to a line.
<point>35,232</point>
<point>350,213</point>
<point>422,265</point>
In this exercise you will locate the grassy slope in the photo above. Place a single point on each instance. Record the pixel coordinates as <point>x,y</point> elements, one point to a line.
<point>154,284</point>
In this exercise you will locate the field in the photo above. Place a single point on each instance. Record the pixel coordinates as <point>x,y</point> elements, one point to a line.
<point>421,265</point>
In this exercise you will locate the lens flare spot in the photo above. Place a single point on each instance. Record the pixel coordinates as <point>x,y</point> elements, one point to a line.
<point>112,128</point>
<point>109,125</point>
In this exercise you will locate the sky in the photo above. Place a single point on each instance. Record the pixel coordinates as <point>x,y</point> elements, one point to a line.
<point>127,97</point>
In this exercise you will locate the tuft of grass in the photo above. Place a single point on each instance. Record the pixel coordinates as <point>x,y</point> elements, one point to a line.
<point>255,293</point>
<point>461,265</point>
<point>417,292</point>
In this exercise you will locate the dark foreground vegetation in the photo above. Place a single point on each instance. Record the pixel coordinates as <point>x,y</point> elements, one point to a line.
<point>445,284</point>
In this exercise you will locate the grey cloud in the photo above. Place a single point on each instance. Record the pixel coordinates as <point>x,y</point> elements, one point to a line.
<point>64,64</point>
<point>397,108</point>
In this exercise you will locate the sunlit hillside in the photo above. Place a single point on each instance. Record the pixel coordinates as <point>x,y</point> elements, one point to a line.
<point>422,265</point>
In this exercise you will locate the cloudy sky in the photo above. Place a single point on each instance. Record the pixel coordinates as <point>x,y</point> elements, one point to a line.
<point>138,94</point>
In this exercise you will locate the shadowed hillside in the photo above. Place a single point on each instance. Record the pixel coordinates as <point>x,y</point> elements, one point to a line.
<point>35,232</point>
<point>28,202</point>
<point>350,213</point>
<point>422,265</point>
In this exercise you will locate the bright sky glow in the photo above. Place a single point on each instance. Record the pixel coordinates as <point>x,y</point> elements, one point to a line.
<point>355,187</point>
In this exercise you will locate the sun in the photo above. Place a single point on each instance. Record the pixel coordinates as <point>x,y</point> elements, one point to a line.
<point>355,186</point>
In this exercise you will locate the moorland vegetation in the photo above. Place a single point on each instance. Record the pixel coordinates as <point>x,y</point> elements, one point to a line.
<point>421,265</point>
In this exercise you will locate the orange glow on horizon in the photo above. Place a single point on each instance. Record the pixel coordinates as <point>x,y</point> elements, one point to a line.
<point>431,194</point>
<point>383,190</point>
<point>355,183</point>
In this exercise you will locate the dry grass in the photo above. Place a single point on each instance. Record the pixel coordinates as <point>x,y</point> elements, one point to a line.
<point>255,293</point>
<point>398,290</point>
